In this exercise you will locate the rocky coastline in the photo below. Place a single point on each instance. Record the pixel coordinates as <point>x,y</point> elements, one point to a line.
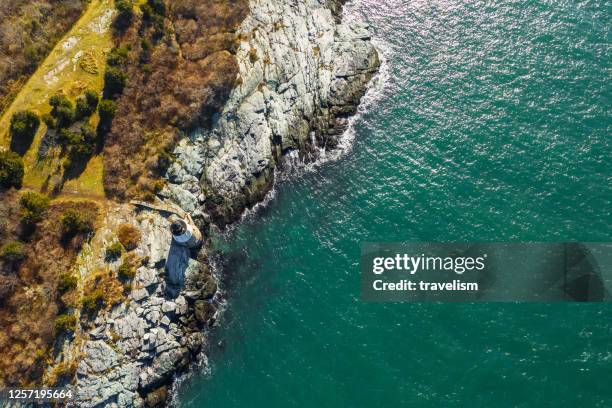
<point>302,74</point>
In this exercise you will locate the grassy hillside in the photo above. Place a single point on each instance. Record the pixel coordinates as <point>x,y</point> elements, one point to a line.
<point>76,63</point>
<point>28,31</point>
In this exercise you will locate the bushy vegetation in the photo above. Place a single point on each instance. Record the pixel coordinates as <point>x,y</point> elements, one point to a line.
<point>65,323</point>
<point>80,146</point>
<point>64,118</point>
<point>29,30</point>
<point>74,222</point>
<point>114,82</point>
<point>153,13</point>
<point>11,169</point>
<point>157,7</point>
<point>13,251</point>
<point>24,125</point>
<point>62,111</point>
<point>118,56</point>
<point>158,102</point>
<point>125,15</point>
<point>127,270</point>
<point>86,105</point>
<point>93,300</point>
<point>33,207</point>
<point>114,251</point>
<point>67,281</point>
<point>145,51</point>
<point>32,322</point>
<point>129,236</point>
<point>101,290</point>
<point>107,111</point>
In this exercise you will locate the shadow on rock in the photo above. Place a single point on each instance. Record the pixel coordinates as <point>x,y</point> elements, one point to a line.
<point>177,263</point>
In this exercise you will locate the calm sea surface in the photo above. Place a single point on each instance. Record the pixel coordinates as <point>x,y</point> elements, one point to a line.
<point>491,122</point>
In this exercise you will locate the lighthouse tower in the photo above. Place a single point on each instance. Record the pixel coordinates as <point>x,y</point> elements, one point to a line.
<point>185,233</point>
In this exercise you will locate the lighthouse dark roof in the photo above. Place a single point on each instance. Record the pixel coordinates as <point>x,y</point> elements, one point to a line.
<point>178,227</point>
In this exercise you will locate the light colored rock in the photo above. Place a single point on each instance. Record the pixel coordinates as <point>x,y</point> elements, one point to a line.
<point>168,307</point>
<point>146,277</point>
<point>309,70</point>
<point>129,326</point>
<point>99,357</point>
<point>181,305</point>
<point>139,294</point>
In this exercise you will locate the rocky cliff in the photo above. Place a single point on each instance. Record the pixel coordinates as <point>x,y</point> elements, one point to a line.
<point>302,74</point>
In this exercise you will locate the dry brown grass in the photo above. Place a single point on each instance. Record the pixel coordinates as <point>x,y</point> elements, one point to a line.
<point>188,77</point>
<point>28,314</point>
<point>129,236</point>
<point>61,370</point>
<point>102,291</point>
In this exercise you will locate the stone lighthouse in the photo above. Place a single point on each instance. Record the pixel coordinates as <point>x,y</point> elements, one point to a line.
<point>185,233</point>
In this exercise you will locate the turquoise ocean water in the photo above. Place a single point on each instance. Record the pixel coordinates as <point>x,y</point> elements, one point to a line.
<point>491,122</point>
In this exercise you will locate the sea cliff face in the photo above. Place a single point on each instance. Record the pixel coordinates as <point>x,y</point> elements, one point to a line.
<point>302,74</point>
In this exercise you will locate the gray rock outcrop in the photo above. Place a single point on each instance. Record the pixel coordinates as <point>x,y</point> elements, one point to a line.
<point>131,352</point>
<point>302,73</point>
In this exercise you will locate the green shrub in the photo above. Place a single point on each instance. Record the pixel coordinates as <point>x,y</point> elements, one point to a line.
<point>88,134</point>
<point>11,169</point>
<point>49,121</point>
<point>68,138</point>
<point>13,251</point>
<point>80,145</point>
<point>158,6</point>
<point>62,110</point>
<point>33,207</point>
<point>74,222</point>
<point>82,110</point>
<point>93,300</point>
<point>114,81</point>
<point>64,116</point>
<point>117,56</point>
<point>24,125</point>
<point>89,138</point>
<point>107,111</point>
<point>80,148</point>
<point>86,105</point>
<point>67,282</point>
<point>127,271</point>
<point>153,13</point>
<point>253,56</point>
<point>145,53</point>
<point>57,101</point>
<point>125,14</point>
<point>92,98</point>
<point>65,323</point>
<point>113,251</point>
